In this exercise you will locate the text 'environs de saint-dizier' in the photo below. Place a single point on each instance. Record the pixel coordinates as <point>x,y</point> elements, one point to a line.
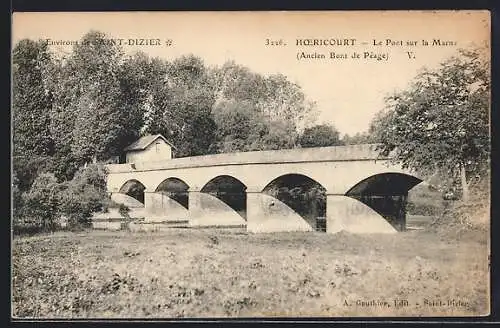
<point>112,41</point>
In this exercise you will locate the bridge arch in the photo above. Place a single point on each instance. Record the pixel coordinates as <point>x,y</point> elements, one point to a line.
<point>386,193</point>
<point>304,195</point>
<point>133,188</point>
<point>175,189</point>
<point>229,190</point>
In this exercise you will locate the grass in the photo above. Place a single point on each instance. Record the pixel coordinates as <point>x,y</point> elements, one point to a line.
<point>230,273</point>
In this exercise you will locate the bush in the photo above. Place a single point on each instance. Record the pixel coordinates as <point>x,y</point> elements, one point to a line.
<point>40,205</point>
<point>83,195</point>
<point>462,218</point>
<point>124,210</point>
<point>427,209</point>
<point>322,135</point>
<point>27,168</point>
<point>424,200</point>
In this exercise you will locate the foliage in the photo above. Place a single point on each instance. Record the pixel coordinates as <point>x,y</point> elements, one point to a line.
<point>460,219</point>
<point>280,135</point>
<point>47,200</point>
<point>425,200</point>
<point>27,168</point>
<point>358,138</point>
<point>236,125</point>
<point>322,135</point>
<point>86,106</point>
<point>100,122</point>
<point>274,96</point>
<point>306,196</point>
<point>65,83</point>
<point>199,135</point>
<point>441,123</point>
<point>94,101</point>
<point>137,75</point>
<point>242,128</point>
<point>84,194</point>
<point>285,101</point>
<point>40,204</point>
<point>238,83</point>
<point>181,104</point>
<point>31,99</point>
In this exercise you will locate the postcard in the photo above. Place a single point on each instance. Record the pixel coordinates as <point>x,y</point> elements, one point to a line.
<point>250,164</point>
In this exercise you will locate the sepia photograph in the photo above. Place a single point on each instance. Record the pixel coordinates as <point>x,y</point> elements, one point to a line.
<point>271,164</point>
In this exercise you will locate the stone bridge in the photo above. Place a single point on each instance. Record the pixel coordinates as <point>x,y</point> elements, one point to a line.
<point>352,187</point>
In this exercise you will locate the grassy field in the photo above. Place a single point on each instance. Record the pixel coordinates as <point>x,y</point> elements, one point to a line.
<point>221,273</point>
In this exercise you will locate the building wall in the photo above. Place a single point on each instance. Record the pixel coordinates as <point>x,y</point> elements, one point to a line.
<point>155,152</point>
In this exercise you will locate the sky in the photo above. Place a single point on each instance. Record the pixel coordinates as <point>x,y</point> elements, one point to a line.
<point>348,92</point>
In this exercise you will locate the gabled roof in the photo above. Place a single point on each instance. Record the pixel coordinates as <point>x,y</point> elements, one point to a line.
<point>143,142</point>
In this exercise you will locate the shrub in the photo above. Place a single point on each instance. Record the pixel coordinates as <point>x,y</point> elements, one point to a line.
<point>124,210</point>
<point>41,207</point>
<point>40,204</point>
<point>427,209</point>
<point>424,200</point>
<point>27,168</point>
<point>83,195</point>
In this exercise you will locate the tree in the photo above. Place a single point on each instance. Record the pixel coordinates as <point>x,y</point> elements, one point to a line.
<point>357,139</point>
<point>241,127</point>
<point>84,194</point>
<point>441,123</point>
<point>100,124</point>
<point>238,83</point>
<point>31,101</point>
<point>65,85</point>
<point>137,75</point>
<point>280,135</point>
<point>273,96</point>
<point>235,123</point>
<point>286,101</point>
<point>322,135</point>
<point>41,203</point>
<point>181,104</point>
<point>31,104</point>
<point>27,168</point>
<point>200,131</point>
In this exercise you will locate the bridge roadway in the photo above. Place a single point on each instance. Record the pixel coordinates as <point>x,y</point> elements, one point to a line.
<point>353,177</point>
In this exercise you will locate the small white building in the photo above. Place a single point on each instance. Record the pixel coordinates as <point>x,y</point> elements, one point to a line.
<point>150,148</point>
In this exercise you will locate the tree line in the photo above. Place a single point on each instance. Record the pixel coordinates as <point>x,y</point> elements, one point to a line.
<point>86,106</point>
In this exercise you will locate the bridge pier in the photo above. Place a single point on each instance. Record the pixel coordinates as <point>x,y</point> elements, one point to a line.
<point>268,214</point>
<point>195,210</point>
<point>348,214</point>
<point>207,210</point>
<point>160,207</point>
